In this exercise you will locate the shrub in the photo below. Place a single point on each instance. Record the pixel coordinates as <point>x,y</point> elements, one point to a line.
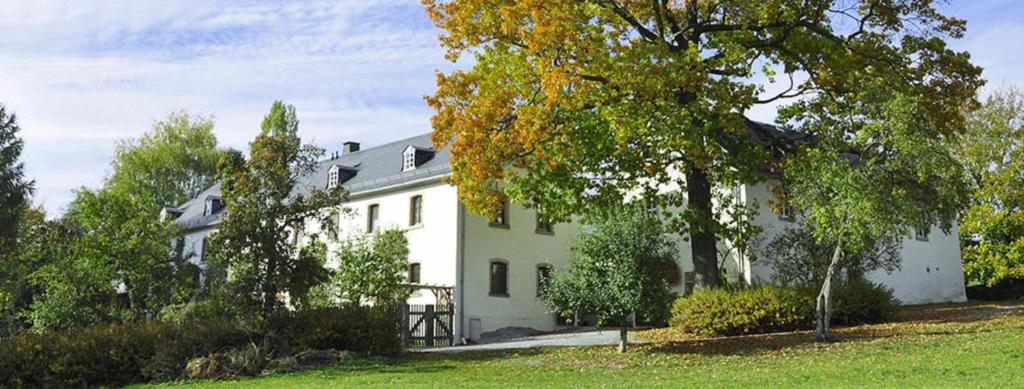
<point>210,309</point>
<point>115,354</point>
<point>860,301</point>
<point>1007,289</point>
<point>373,330</point>
<point>759,309</point>
<point>120,354</point>
<point>189,340</point>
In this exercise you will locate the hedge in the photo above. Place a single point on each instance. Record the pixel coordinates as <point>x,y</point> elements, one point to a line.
<point>766,309</point>
<point>121,354</point>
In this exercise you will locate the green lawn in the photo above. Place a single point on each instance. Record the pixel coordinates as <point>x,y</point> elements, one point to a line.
<point>938,346</point>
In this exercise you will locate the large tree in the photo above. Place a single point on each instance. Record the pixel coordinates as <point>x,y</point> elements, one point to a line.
<point>169,164</point>
<point>123,241</point>
<point>15,189</point>
<point>616,271</point>
<point>267,210</point>
<point>574,105</point>
<point>992,229</point>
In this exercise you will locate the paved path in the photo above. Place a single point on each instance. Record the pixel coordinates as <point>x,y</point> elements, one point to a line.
<point>573,339</point>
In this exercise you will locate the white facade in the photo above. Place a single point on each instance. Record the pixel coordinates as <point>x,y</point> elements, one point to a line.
<point>930,272</point>
<point>456,249</point>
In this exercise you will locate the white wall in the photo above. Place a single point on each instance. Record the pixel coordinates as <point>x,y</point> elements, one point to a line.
<point>194,244</point>
<point>930,272</point>
<point>523,249</point>
<point>432,244</point>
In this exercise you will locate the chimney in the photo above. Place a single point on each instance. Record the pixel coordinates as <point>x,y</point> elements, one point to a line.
<point>350,147</point>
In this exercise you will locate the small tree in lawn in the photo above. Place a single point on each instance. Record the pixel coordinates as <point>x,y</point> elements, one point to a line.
<point>372,270</point>
<point>874,176</point>
<point>615,270</point>
<point>258,237</point>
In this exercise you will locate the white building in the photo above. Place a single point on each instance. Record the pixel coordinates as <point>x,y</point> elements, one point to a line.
<point>495,266</point>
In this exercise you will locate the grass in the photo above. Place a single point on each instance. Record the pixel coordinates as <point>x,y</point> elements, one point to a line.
<point>966,345</point>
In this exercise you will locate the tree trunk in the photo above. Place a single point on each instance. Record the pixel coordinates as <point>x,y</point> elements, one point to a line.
<point>623,339</point>
<point>703,245</point>
<point>823,306</point>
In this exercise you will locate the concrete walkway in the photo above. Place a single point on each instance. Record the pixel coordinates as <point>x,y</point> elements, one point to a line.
<point>573,339</point>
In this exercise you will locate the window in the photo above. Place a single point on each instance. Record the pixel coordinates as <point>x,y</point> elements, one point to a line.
<point>202,250</point>
<point>785,211</point>
<point>213,205</point>
<point>409,159</point>
<point>921,233</point>
<point>416,210</point>
<point>373,218</point>
<point>543,227</point>
<point>501,215</point>
<point>543,278</point>
<point>332,177</point>
<point>414,273</point>
<point>499,279</point>
<point>689,282</point>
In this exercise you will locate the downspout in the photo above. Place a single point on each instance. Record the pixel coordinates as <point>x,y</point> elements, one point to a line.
<point>459,268</point>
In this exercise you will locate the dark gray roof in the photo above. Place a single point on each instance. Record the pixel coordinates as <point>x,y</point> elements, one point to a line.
<point>376,167</point>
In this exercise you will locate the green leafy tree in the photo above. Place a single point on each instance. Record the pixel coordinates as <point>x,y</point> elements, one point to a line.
<point>15,190</point>
<point>574,105</point>
<point>992,229</point>
<point>372,270</point>
<point>40,242</point>
<point>124,244</point>
<point>875,175</point>
<point>170,164</point>
<point>267,211</point>
<point>616,270</point>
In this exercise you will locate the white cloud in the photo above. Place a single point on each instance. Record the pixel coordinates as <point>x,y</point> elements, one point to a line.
<point>82,75</point>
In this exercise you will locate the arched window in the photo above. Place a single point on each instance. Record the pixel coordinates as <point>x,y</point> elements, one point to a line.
<point>499,278</point>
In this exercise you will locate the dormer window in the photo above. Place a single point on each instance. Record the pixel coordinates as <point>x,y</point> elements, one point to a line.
<point>338,174</point>
<point>213,205</point>
<point>414,156</point>
<point>409,159</point>
<point>332,177</point>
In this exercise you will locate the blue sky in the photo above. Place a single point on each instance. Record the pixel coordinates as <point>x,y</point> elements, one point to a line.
<point>82,75</point>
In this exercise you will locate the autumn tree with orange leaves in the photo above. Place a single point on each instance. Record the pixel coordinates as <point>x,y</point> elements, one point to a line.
<point>575,106</point>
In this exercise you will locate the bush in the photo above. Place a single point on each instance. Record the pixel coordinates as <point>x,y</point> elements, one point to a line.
<point>189,340</point>
<point>764,309</point>
<point>760,309</point>
<point>210,309</point>
<point>860,301</point>
<point>120,354</point>
<point>1007,289</point>
<point>116,354</point>
<point>373,330</point>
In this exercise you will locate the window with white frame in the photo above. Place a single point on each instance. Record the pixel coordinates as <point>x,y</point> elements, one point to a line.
<point>409,159</point>
<point>373,218</point>
<point>332,177</point>
<point>416,210</point>
<point>785,210</point>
